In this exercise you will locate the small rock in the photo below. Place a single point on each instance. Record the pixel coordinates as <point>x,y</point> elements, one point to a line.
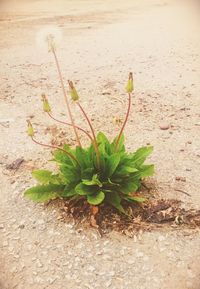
<point>15,165</point>
<point>182,179</point>
<point>164,126</point>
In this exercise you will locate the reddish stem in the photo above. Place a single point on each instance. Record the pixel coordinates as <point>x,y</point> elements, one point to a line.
<point>93,133</point>
<point>55,147</point>
<point>67,123</point>
<point>125,121</point>
<point>65,96</point>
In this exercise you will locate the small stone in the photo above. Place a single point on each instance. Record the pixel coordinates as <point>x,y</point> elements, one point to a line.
<point>15,165</point>
<point>182,179</point>
<point>164,126</point>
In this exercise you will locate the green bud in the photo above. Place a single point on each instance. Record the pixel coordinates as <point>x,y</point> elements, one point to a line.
<point>30,130</point>
<point>46,106</point>
<point>130,86</point>
<point>73,92</point>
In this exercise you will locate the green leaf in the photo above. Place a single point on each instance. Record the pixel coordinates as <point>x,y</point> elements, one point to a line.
<point>84,190</point>
<point>69,190</point>
<point>101,138</point>
<point>111,164</point>
<point>146,171</point>
<point>62,157</point>
<point>94,181</point>
<point>42,193</point>
<point>87,173</point>
<point>96,199</point>
<point>45,177</point>
<point>141,154</point>
<point>83,157</point>
<point>129,187</point>
<point>120,147</point>
<point>135,199</point>
<point>124,170</point>
<point>70,173</point>
<point>115,200</point>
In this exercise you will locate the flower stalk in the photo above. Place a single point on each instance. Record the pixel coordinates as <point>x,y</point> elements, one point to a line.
<point>129,89</point>
<point>52,49</point>
<point>69,124</point>
<point>93,134</point>
<point>30,132</point>
<point>75,98</point>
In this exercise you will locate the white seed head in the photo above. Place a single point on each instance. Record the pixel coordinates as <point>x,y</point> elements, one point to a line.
<point>49,36</point>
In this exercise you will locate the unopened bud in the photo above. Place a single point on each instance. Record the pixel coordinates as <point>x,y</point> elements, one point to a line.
<point>30,130</point>
<point>46,106</point>
<point>130,86</point>
<point>73,92</point>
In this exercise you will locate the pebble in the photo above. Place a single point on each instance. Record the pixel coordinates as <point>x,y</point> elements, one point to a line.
<point>182,179</point>
<point>164,126</point>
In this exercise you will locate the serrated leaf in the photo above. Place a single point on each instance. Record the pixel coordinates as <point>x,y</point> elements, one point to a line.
<point>114,199</point>
<point>45,177</point>
<point>96,199</point>
<point>42,193</point>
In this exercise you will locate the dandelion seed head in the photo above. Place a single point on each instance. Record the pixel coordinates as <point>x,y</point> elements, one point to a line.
<point>49,37</point>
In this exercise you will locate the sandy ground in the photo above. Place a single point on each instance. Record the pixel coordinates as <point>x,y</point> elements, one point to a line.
<point>102,42</point>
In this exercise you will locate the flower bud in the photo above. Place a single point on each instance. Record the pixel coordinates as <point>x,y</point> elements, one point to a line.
<point>130,86</point>
<point>30,130</point>
<point>46,106</point>
<point>73,92</point>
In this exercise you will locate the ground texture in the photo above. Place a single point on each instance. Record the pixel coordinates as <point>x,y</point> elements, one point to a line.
<point>102,42</point>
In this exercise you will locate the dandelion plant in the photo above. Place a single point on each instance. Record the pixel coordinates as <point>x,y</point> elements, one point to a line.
<point>103,172</point>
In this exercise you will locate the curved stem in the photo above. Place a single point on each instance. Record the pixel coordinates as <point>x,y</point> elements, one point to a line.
<point>67,123</point>
<point>93,133</point>
<point>55,147</point>
<point>65,96</point>
<point>125,121</point>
